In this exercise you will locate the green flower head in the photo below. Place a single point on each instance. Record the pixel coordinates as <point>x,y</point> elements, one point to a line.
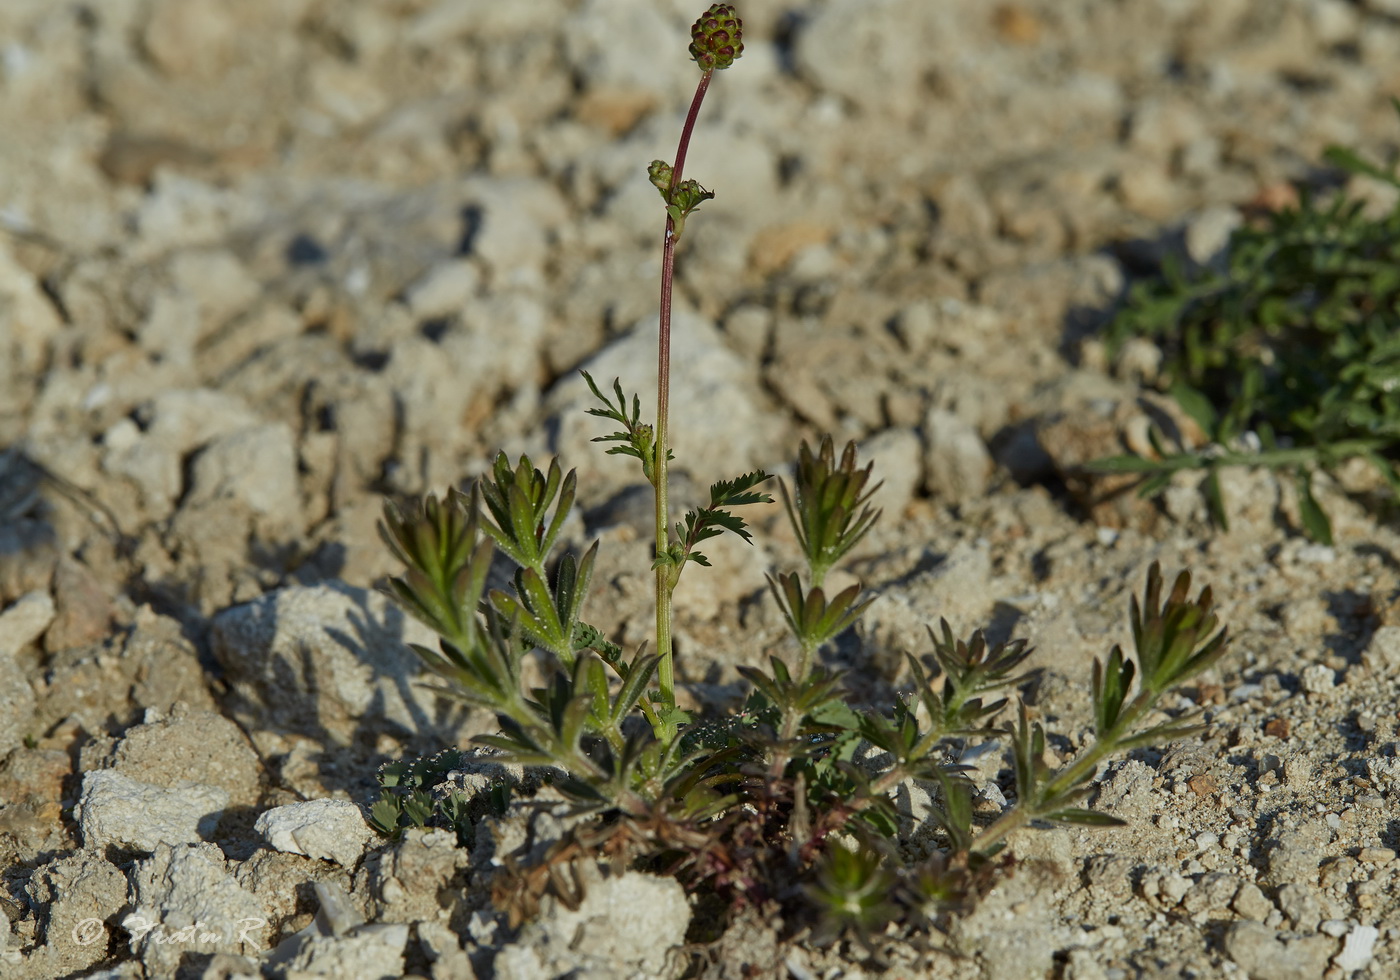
<point>717,38</point>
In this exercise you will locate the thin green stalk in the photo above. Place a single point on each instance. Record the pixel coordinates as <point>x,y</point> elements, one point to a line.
<point>665,577</point>
<point>1270,458</point>
<point>807,650</point>
<point>1070,776</point>
<point>792,718</point>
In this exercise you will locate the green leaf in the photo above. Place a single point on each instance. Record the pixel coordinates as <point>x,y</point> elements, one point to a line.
<point>1173,638</point>
<point>671,717</point>
<point>533,610</point>
<point>588,637</point>
<point>637,439</point>
<point>1349,160</point>
<point>1196,405</point>
<point>1127,464</point>
<point>1315,520</point>
<point>1215,498</point>
<point>1083,818</point>
<point>739,491</point>
<point>836,714</point>
<point>954,814</point>
<point>384,815</point>
<point>1154,485</point>
<point>639,674</point>
<point>1386,468</point>
<point>1111,683</point>
<point>1161,734</point>
<point>828,505</point>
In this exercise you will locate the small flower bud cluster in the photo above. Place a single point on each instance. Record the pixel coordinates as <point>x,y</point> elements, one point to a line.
<point>717,38</point>
<point>659,173</point>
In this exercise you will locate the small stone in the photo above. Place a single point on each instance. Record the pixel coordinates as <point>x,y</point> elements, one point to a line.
<point>166,750</point>
<point>1383,652</point>
<point>896,454</point>
<point>1277,727</point>
<point>1175,887</point>
<point>1336,928</point>
<point>444,950</point>
<point>25,620</point>
<point>331,830</point>
<point>1110,876</point>
<point>629,922</point>
<point>1375,855</point>
<point>1384,771</point>
<point>115,809</point>
<point>1333,21</point>
<point>990,799</point>
<point>1016,24</point>
<point>1338,874</point>
<point>1302,905</point>
<point>445,289</point>
<point>368,951</point>
<point>254,467</point>
<point>748,328</point>
<point>1203,784</point>
<point>184,900</point>
<point>1358,949</point>
<point>353,667</point>
<point>1148,191</point>
<point>956,460</point>
<point>83,610</point>
<point>1262,952</point>
<point>1297,772</point>
<point>1318,679</point>
<point>17,703</point>
<point>192,39</point>
<point>1297,853</point>
<point>1208,234</point>
<point>1215,890</point>
<point>77,891</point>
<point>1251,903</point>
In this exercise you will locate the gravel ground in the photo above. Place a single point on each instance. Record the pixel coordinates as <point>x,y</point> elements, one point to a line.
<point>263,264</point>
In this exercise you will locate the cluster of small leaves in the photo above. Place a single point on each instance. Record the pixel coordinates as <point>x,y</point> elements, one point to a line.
<point>814,619</point>
<point>682,199</point>
<point>1289,355</point>
<point>698,525</point>
<point>484,639</point>
<point>829,505</point>
<point>1175,639</point>
<point>637,438</point>
<point>816,834</point>
<point>576,720</point>
<point>708,522</point>
<point>407,797</point>
<point>754,806</point>
<point>922,723</point>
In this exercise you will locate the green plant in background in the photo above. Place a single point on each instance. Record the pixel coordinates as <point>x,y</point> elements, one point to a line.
<point>412,794</point>
<point>788,798</point>
<point>1289,356</point>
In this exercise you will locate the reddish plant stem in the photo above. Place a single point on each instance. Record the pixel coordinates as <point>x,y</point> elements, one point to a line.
<point>665,578</point>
